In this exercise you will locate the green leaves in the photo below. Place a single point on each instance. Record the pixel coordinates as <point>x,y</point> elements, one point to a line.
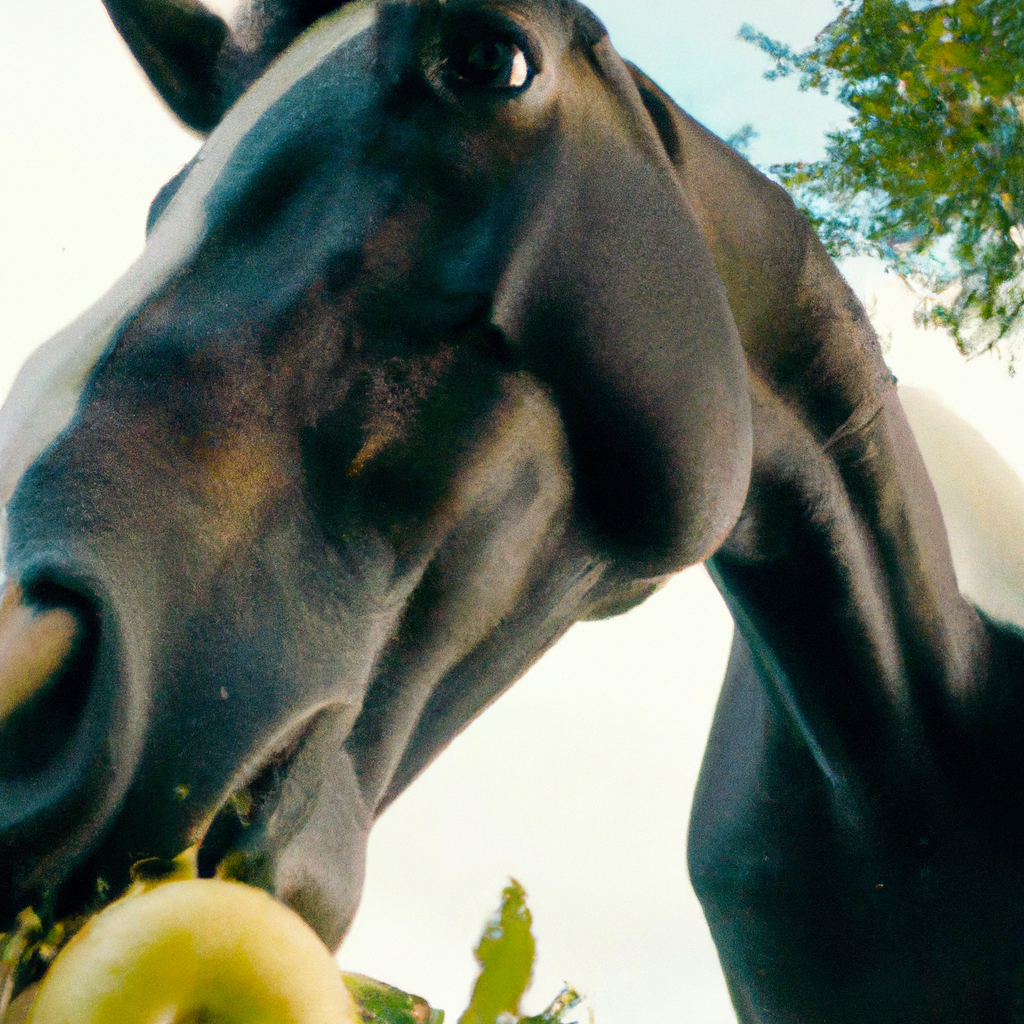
<point>505,954</point>
<point>381,1004</point>
<point>26,951</point>
<point>929,173</point>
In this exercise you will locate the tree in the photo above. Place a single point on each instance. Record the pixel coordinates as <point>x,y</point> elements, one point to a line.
<point>929,173</point>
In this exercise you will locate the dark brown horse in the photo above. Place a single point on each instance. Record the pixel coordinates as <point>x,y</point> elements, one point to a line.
<point>456,332</point>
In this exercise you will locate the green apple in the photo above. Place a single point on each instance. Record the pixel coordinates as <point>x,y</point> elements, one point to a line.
<point>202,951</point>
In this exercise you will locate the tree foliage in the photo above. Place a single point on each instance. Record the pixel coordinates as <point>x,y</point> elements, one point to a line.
<point>929,172</point>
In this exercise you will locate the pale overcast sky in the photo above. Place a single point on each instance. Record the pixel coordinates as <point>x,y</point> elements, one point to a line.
<point>577,782</point>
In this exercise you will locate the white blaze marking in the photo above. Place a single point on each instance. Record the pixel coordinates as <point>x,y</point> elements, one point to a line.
<point>45,394</point>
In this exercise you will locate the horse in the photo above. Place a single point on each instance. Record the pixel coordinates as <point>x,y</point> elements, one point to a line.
<point>459,331</point>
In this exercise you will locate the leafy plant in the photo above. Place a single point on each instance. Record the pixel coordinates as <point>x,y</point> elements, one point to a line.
<point>929,173</point>
<point>506,954</point>
<point>381,1004</point>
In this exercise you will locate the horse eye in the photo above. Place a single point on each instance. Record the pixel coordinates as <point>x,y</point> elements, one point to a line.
<point>493,63</point>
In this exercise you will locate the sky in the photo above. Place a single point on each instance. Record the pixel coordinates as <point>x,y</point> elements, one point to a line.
<point>578,781</point>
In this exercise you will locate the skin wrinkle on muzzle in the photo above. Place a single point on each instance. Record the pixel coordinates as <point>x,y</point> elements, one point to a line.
<point>427,359</point>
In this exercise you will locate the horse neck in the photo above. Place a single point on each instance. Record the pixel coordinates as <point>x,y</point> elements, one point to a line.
<point>838,573</point>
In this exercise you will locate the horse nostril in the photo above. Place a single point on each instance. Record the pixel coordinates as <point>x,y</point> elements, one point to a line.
<point>47,642</point>
<point>34,644</point>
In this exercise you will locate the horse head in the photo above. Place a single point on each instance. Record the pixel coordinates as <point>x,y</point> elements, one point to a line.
<point>425,359</point>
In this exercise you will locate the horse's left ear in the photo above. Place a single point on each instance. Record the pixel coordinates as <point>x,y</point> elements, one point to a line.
<point>191,56</point>
<point>611,298</point>
<point>179,44</point>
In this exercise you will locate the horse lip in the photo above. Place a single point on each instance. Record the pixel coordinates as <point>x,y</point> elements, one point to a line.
<point>254,791</point>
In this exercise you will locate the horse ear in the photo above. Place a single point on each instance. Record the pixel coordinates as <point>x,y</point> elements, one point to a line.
<point>192,57</point>
<point>611,298</point>
<point>179,45</point>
